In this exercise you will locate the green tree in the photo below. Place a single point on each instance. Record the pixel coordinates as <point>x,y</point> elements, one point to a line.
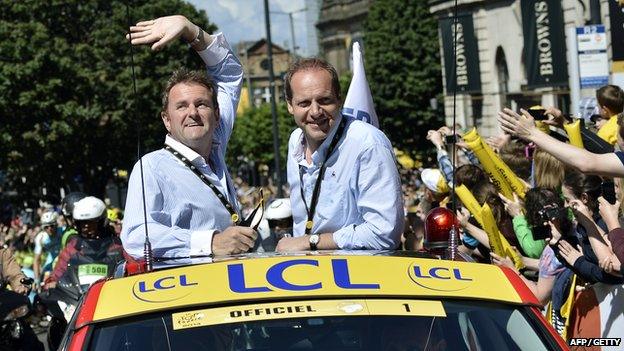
<point>403,68</point>
<point>252,138</point>
<point>68,109</point>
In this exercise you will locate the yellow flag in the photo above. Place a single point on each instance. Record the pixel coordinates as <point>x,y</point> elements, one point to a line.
<point>510,177</point>
<point>469,201</point>
<point>574,133</point>
<point>490,167</point>
<point>498,243</point>
<point>498,170</point>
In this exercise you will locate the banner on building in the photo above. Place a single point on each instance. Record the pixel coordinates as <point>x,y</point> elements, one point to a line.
<point>544,43</point>
<point>462,69</point>
<point>616,18</point>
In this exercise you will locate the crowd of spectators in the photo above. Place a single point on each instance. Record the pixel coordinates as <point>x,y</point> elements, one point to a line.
<point>560,227</point>
<point>19,233</point>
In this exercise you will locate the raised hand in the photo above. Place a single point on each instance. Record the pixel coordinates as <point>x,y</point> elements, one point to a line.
<point>579,207</point>
<point>514,207</point>
<point>445,130</point>
<point>609,212</point>
<point>497,142</point>
<point>515,124</point>
<point>607,264</point>
<point>554,232</point>
<point>557,119</point>
<point>502,261</point>
<point>436,138</point>
<point>463,215</point>
<point>569,253</point>
<point>161,31</point>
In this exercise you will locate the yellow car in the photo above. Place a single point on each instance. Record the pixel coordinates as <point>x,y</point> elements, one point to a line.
<point>333,301</point>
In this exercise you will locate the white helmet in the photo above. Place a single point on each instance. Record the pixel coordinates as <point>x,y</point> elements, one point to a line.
<point>89,208</point>
<point>49,219</point>
<point>278,209</point>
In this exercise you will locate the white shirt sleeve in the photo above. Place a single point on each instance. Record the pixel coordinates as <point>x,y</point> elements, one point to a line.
<point>201,242</point>
<point>380,202</point>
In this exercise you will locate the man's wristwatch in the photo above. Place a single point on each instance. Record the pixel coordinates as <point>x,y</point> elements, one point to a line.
<point>197,38</point>
<point>314,240</point>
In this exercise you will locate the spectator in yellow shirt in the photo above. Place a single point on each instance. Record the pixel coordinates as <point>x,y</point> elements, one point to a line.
<point>611,101</point>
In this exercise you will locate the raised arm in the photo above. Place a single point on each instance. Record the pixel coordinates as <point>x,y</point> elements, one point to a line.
<point>221,62</point>
<point>524,127</point>
<point>161,31</point>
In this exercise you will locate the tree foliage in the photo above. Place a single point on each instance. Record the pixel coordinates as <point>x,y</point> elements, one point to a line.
<point>252,138</point>
<point>403,68</point>
<point>69,114</point>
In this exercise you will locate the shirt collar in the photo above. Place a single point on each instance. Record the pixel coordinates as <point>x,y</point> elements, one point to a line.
<point>319,154</point>
<point>184,150</point>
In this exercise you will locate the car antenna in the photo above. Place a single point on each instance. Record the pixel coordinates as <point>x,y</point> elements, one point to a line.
<point>452,241</point>
<point>148,255</point>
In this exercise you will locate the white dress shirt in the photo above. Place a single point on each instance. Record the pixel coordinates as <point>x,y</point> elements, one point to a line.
<point>183,213</point>
<point>360,201</point>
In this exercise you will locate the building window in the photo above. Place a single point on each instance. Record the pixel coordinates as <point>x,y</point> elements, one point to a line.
<point>503,76</point>
<point>477,110</point>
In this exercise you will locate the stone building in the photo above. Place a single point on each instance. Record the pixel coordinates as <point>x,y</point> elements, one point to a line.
<point>500,65</point>
<point>254,57</point>
<point>311,13</point>
<point>340,24</point>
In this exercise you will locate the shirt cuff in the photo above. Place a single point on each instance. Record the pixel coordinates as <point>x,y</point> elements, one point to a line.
<point>216,51</point>
<point>201,242</point>
<point>342,237</point>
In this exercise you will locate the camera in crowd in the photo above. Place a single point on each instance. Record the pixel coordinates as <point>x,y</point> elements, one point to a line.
<point>538,113</point>
<point>451,139</point>
<point>607,190</point>
<point>547,214</point>
<point>550,213</point>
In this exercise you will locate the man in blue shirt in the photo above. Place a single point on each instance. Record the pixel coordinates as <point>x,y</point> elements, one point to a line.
<point>189,195</point>
<point>358,202</point>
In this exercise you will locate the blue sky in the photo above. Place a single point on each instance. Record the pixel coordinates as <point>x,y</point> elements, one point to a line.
<point>244,19</point>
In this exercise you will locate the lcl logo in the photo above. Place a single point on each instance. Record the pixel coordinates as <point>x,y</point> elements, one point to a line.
<point>439,278</point>
<point>276,279</point>
<point>165,289</point>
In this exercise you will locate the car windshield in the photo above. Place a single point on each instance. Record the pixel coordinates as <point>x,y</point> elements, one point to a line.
<point>466,326</point>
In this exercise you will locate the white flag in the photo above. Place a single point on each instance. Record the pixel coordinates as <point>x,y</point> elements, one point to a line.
<point>359,101</point>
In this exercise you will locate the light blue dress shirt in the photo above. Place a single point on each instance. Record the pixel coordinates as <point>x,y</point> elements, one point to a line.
<point>360,200</point>
<point>183,213</point>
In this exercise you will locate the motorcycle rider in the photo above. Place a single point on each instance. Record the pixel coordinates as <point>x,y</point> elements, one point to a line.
<point>96,241</point>
<point>87,257</point>
<point>47,245</point>
<point>67,207</point>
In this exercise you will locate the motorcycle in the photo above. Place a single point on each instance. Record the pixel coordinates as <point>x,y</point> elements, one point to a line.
<point>61,301</point>
<point>15,332</point>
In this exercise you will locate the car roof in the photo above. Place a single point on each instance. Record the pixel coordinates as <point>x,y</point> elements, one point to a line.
<point>290,277</point>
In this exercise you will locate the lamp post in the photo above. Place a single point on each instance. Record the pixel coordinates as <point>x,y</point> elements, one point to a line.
<point>292,26</point>
<point>276,155</point>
